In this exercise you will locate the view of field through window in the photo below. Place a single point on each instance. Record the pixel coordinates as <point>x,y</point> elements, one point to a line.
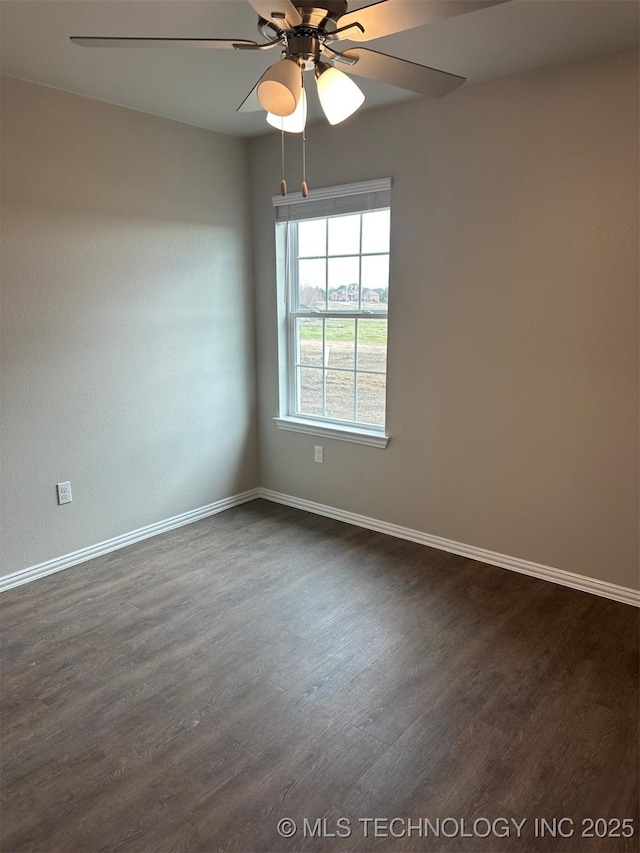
<point>340,307</point>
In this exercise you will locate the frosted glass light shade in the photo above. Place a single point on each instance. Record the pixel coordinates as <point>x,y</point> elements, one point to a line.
<point>339,95</point>
<point>279,89</point>
<point>296,121</point>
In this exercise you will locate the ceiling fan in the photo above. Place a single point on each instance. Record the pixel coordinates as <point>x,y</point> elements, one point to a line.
<point>306,31</point>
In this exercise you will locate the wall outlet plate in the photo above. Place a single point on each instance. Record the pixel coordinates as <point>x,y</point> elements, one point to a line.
<point>64,493</point>
<point>318,454</point>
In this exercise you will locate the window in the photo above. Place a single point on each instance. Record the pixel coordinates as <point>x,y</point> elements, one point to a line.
<point>334,280</point>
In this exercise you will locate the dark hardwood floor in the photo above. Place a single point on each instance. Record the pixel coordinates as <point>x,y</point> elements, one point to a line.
<point>190,691</point>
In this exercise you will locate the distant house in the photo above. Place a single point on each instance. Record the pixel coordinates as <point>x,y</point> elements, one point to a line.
<point>346,293</point>
<point>349,293</point>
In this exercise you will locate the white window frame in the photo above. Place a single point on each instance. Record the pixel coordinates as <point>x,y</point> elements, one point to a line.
<point>324,203</point>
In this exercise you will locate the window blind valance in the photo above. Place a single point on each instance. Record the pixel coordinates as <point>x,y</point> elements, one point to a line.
<point>333,201</point>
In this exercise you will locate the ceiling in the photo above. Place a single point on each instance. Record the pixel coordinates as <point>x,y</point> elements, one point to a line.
<point>204,87</point>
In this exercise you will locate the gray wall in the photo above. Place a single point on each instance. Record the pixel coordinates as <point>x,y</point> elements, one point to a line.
<point>128,329</point>
<point>513,341</point>
<point>128,357</point>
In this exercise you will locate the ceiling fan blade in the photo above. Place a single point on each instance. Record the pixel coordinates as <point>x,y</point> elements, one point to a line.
<point>393,16</point>
<point>251,104</point>
<point>401,72</point>
<point>99,41</point>
<point>282,13</point>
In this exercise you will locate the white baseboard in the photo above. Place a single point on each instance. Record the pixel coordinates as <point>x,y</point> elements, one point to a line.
<point>65,562</point>
<point>515,564</point>
<point>623,594</point>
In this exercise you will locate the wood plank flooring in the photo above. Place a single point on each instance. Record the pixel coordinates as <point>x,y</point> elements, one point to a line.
<point>188,692</point>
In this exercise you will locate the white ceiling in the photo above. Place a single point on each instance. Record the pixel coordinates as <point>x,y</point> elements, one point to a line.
<point>204,87</point>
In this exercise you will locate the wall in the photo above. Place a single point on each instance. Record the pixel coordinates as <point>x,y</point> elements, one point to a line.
<point>128,359</point>
<point>513,339</point>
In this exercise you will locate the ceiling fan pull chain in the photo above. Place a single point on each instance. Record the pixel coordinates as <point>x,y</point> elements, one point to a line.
<point>305,188</point>
<point>283,183</point>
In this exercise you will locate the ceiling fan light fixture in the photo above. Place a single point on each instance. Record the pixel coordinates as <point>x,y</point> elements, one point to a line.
<point>339,95</point>
<point>295,123</point>
<point>279,89</point>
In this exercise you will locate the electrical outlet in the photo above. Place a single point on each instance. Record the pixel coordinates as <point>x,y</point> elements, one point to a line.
<point>64,493</point>
<point>318,455</point>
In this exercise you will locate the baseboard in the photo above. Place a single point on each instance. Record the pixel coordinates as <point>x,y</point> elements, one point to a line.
<point>515,564</point>
<point>65,562</point>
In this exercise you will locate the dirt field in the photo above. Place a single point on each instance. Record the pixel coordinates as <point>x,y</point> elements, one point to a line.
<point>340,391</point>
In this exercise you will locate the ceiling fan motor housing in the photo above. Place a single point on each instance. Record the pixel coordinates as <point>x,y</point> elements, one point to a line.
<point>321,14</point>
<point>305,49</point>
<point>304,41</point>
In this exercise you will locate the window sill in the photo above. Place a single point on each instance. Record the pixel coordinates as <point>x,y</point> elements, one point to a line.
<point>341,433</point>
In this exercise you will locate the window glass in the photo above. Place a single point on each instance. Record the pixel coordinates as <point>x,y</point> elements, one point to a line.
<point>338,280</point>
<point>309,341</point>
<point>312,238</point>
<point>340,343</point>
<point>309,392</point>
<point>340,395</point>
<point>375,231</point>
<point>344,235</point>
<point>312,283</point>
<point>344,284</point>
<point>372,345</point>
<point>371,398</point>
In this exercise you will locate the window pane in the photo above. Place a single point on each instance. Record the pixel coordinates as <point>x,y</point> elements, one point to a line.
<point>372,345</point>
<point>309,391</point>
<point>338,364</point>
<point>340,388</point>
<point>312,238</point>
<point>343,283</point>
<point>340,343</point>
<point>312,284</point>
<point>371,398</point>
<point>375,231</point>
<point>309,342</point>
<point>375,281</point>
<point>344,235</point>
